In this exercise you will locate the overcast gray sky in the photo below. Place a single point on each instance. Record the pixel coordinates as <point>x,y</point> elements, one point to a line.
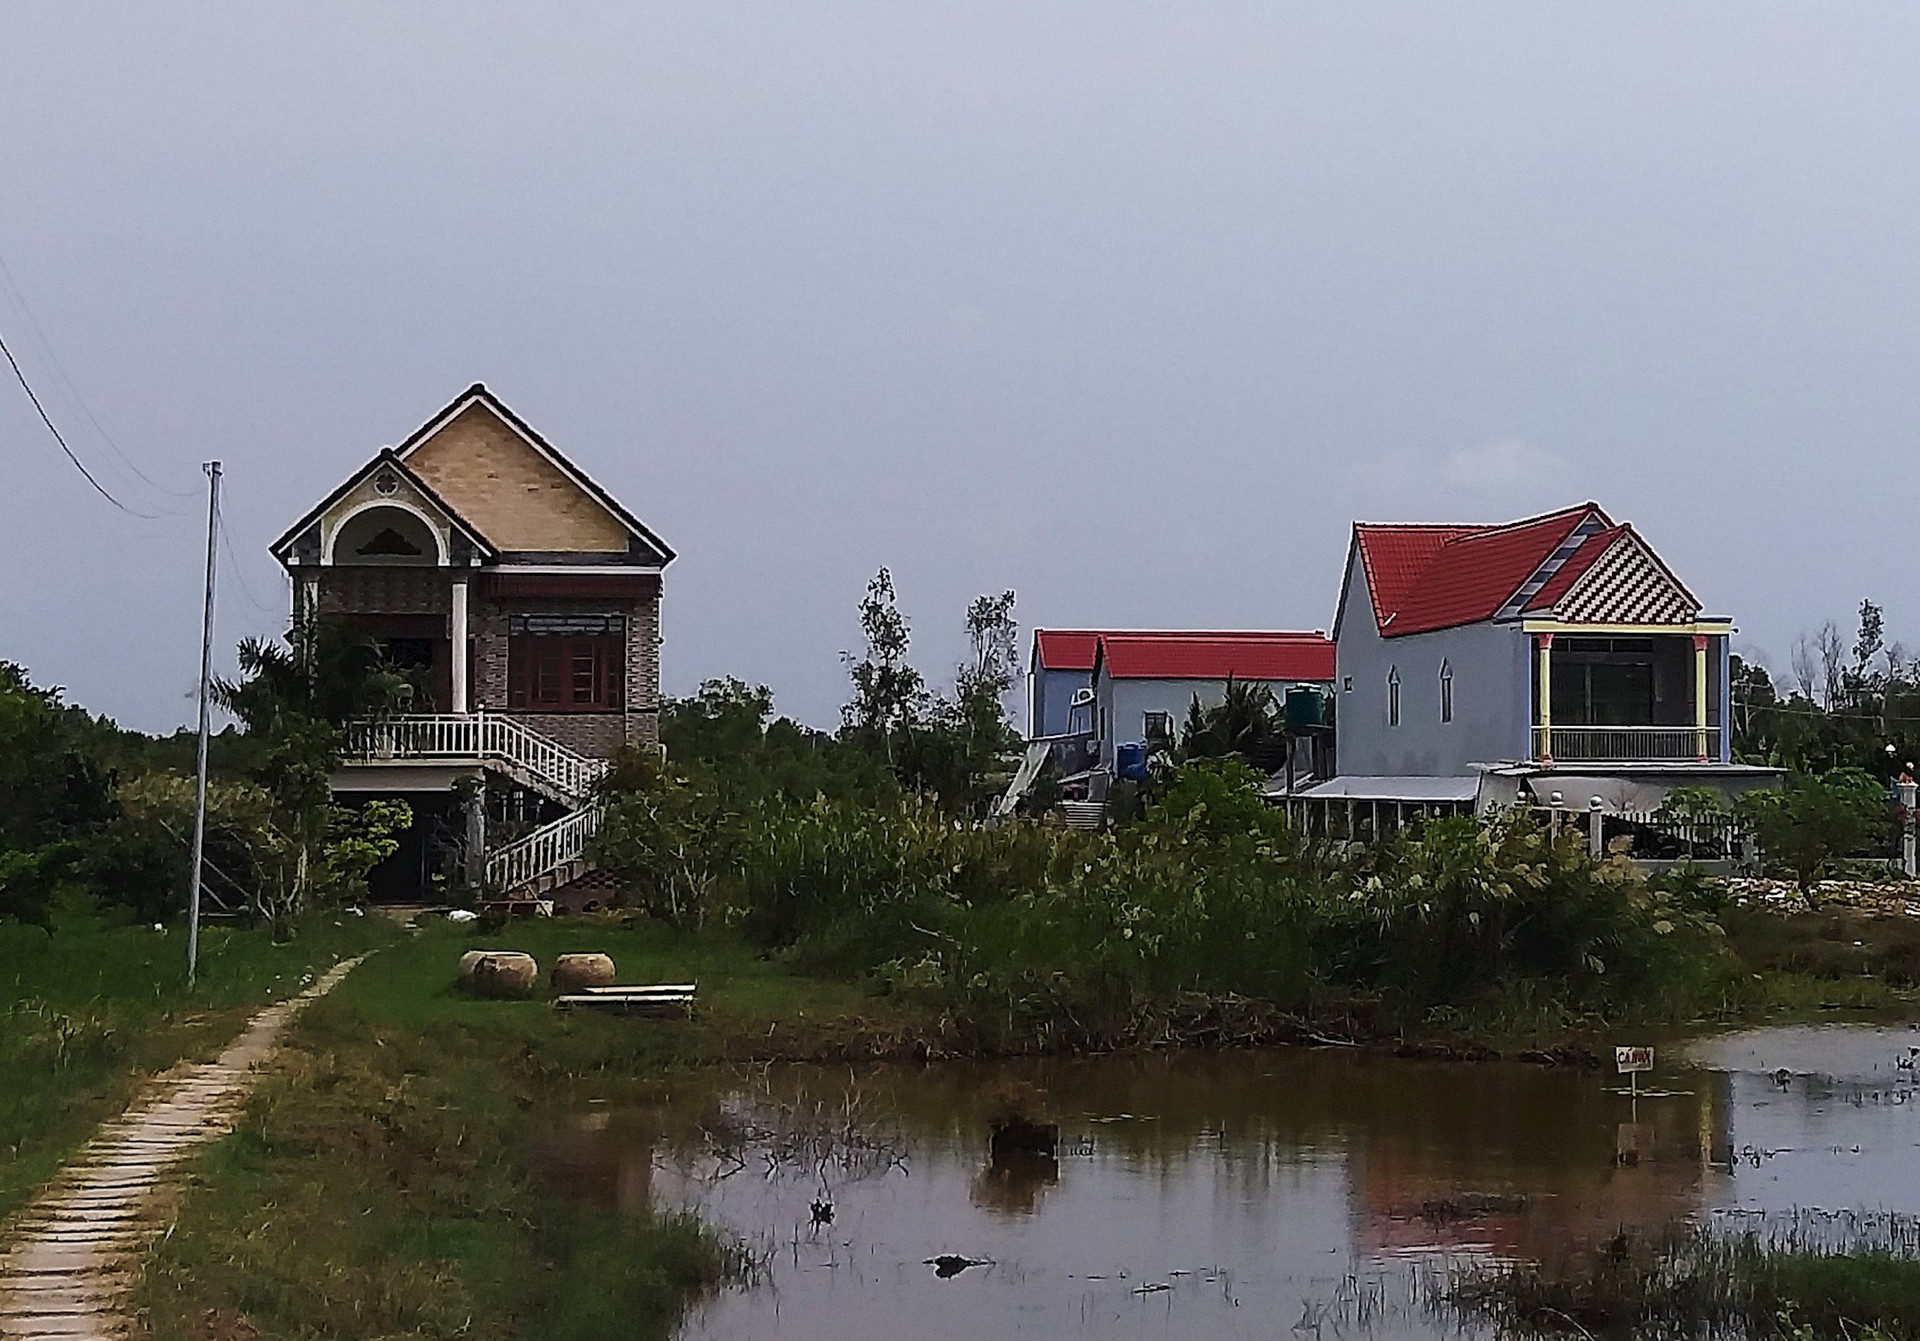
<point>1132,308</point>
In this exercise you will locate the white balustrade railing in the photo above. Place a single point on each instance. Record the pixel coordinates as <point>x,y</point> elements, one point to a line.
<point>546,849</point>
<point>1623,744</point>
<point>477,735</point>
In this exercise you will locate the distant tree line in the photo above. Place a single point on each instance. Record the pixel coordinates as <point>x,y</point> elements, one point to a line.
<point>90,810</point>
<point>1849,705</point>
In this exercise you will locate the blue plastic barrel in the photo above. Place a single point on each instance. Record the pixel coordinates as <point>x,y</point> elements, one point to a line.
<point>1130,760</point>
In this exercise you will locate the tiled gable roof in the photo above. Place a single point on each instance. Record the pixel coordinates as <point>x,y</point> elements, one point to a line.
<point>1625,582</point>
<point>1424,578</point>
<point>1574,569</point>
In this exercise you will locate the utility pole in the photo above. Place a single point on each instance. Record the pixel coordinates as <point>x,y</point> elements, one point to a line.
<point>206,684</point>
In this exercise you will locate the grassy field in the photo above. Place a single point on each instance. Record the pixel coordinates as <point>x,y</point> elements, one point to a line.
<point>387,1180</point>
<point>94,1007</point>
<point>1693,1283</point>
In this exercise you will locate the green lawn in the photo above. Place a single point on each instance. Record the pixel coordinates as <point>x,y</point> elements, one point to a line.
<point>91,1008</point>
<point>386,1180</point>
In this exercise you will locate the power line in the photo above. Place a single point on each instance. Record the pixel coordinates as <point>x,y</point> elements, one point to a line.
<point>246,588</point>
<point>78,464</point>
<point>1784,706</point>
<point>39,335</point>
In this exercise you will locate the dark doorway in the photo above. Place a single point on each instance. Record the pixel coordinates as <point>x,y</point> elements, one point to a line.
<point>408,875</point>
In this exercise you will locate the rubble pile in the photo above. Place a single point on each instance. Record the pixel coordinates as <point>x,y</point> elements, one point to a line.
<point>1876,898</point>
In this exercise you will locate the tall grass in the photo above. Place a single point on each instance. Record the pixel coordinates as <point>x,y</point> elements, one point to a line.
<point>94,1004</point>
<point>388,1177</point>
<point>1693,1282</point>
<point>1019,928</point>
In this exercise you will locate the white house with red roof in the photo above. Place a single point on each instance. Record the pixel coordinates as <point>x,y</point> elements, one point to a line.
<point>1120,686</point>
<point>1558,651</point>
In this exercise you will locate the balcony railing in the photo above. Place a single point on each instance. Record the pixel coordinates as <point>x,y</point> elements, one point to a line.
<point>476,736</point>
<point>1622,744</point>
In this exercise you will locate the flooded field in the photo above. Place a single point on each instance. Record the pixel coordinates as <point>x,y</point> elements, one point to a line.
<point>1250,1194</point>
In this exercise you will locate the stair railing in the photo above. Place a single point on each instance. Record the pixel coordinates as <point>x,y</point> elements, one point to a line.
<point>545,850</point>
<point>476,735</point>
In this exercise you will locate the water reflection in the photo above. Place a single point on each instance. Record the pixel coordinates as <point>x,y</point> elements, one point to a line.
<point>1238,1194</point>
<point>603,1162</point>
<point>1013,1182</point>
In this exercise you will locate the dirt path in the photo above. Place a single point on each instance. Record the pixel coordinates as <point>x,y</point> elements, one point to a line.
<point>66,1260</point>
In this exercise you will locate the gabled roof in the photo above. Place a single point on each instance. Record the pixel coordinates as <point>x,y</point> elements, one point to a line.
<point>1216,656</point>
<point>388,457</point>
<point>1574,568</point>
<point>1615,577</point>
<point>478,394</point>
<point>1424,578</point>
<point>1065,649</point>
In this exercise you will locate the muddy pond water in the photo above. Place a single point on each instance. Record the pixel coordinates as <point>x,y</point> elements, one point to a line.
<point>1242,1194</point>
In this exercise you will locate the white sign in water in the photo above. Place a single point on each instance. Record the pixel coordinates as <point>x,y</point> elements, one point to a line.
<point>1628,1061</point>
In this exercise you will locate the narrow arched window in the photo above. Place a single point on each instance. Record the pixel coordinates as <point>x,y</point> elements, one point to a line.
<point>1446,691</point>
<point>1393,696</point>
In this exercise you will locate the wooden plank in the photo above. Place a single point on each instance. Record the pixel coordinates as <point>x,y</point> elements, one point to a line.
<point>628,1005</point>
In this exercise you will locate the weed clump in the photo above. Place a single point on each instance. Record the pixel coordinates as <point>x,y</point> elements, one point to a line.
<point>1693,1282</point>
<point>1036,935</point>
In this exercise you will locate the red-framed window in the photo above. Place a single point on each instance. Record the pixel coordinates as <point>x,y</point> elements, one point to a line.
<point>566,663</point>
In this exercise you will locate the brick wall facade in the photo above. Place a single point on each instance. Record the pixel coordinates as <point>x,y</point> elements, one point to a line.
<point>427,592</point>
<point>589,732</point>
<point>367,590</point>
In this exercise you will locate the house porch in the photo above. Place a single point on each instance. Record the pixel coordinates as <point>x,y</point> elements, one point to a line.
<point>1629,694</point>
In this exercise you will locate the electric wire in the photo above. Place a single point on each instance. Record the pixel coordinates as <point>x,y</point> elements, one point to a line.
<point>38,334</point>
<point>78,464</point>
<point>239,572</point>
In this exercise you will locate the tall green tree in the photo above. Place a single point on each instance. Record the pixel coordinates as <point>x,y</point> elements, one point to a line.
<point>297,697</point>
<point>53,794</point>
<point>886,687</point>
<point>1813,821</point>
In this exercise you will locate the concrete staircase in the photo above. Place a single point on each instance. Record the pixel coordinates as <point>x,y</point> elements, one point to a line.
<point>537,863</point>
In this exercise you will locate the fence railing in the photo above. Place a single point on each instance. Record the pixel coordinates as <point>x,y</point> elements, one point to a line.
<point>1621,744</point>
<point>1652,835</point>
<point>546,849</point>
<point>476,735</point>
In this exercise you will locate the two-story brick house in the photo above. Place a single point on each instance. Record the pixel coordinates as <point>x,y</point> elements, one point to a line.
<point>526,600</point>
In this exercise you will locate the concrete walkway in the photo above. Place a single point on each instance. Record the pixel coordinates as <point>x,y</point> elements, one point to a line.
<point>67,1259</point>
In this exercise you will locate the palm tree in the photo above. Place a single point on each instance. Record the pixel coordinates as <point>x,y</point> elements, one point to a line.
<point>1246,722</point>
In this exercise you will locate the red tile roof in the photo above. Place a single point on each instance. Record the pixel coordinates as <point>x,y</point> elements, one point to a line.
<point>1218,656</point>
<point>1439,577</point>
<point>1577,563</point>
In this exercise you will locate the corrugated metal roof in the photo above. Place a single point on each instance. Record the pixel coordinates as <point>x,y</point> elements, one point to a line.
<point>1394,789</point>
<point>1288,656</point>
<point>1065,649</point>
<point>1076,649</point>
